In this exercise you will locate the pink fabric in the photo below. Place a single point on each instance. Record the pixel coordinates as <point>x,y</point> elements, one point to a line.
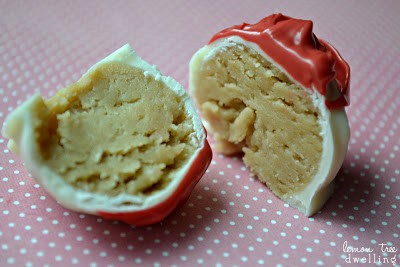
<point>231,219</point>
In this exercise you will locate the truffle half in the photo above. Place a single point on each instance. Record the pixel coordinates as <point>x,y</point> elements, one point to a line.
<point>123,142</point>
<point>275,92</point>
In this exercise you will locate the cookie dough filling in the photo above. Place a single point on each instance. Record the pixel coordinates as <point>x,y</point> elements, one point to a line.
<point>253,106</point>
<point>117,131</point>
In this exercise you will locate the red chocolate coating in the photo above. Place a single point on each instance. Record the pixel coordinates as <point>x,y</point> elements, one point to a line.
<point>291,44</point>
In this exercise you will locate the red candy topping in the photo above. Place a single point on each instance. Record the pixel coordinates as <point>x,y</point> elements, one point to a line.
<point>291,44</point>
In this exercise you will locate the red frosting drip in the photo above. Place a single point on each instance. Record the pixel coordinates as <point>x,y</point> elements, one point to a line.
<point>291,44</point>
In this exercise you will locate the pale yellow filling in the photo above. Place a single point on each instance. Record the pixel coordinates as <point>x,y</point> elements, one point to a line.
<point>117,131</point>
<point>252,106</point>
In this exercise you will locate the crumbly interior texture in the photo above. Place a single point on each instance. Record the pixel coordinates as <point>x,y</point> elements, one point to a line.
<point>117,131</point>
<point>252,106</point>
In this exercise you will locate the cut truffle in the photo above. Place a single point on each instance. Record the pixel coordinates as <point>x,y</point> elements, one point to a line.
<point>122,139</point>
<point>271,91</point>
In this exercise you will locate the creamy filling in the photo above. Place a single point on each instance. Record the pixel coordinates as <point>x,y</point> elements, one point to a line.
<point>117,131</point>
<point>252,106</point>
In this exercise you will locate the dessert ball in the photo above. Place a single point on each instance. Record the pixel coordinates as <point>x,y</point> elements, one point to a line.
<point>124,142</point>
<point>276,93</point>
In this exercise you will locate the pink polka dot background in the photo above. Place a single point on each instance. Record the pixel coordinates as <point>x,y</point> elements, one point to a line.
<point>231,219</point>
